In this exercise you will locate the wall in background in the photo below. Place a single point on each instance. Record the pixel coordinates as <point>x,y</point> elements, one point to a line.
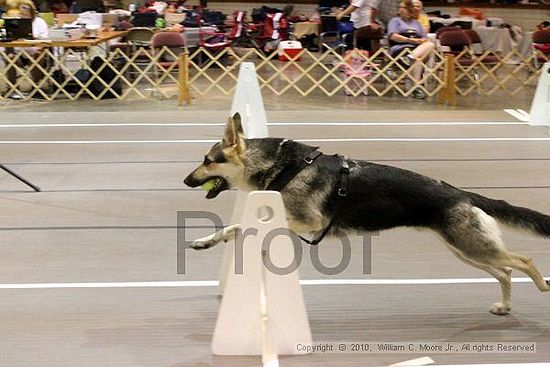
<point>527,18</point>
<point>230,7</point>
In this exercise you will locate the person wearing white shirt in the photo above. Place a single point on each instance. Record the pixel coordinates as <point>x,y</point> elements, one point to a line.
<point>39,26</point>
<point>360,11</point>
<point>39,31</point>
<point>367,33</point>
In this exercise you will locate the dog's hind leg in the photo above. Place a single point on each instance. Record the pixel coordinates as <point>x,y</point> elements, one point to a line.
<point>504,258</point>
<point>525,265</point>
<point>504,278</point>
<point>474,237</point>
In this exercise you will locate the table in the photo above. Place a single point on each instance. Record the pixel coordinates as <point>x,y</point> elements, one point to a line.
<point>495,22</point>
<point>449,21</point>
<point>80,43</point>
<point>49,62</point>
<point>496,39</point>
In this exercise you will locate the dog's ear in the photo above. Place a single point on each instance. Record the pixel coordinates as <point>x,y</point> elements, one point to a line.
<point>234,135</point>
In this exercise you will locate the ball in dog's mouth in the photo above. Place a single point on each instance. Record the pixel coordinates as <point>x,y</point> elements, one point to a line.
<point>214,187</point>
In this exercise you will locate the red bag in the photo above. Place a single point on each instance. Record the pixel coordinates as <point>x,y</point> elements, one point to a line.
<point>471,12</point>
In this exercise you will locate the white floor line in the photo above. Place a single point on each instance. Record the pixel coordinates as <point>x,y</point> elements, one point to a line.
<point>420,139</point>
<point>496,365</point>
<point>517,114</point>
<point>214,283</point>
<point>212,141</point>
<point>184,124</point>
<point>414,362</point>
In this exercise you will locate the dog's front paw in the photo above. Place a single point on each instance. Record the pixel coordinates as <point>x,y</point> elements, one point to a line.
<point>500,309</point>
<point>201,245</point>
<point>204,243</point>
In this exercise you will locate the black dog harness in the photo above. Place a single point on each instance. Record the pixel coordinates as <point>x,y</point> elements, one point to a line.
<point>287,174</point>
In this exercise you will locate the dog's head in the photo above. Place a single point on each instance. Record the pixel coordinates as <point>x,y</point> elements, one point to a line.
<point>224,162</point>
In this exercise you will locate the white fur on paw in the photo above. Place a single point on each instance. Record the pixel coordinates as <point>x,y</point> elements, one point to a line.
<point>199,245</point>
<point>203,243</point>
<point>500,309</point>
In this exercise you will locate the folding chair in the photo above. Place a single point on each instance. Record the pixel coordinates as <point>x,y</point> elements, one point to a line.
<point>477,49</point>
<point>139,39</point>
<point>357,69</point>
<point>274,30</point>
<point>541,46</point>
<point>162,41</point>
<point>456,42</point>
<point>335,35</point>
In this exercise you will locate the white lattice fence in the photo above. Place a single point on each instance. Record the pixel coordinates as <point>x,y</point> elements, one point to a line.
<point>310,73</point>
<point>509,74</point>
<point>50,74</point>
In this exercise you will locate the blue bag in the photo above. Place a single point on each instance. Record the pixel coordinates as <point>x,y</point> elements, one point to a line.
<point>344,27</point>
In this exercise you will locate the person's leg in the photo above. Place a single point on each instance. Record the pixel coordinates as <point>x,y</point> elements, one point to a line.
<point>367,38</point>
<point>37,75</point>
<point>11,75</point>
<point>10,70</point>
<point>359,41</point>
<point>419,53</point>
<point>423,50</point>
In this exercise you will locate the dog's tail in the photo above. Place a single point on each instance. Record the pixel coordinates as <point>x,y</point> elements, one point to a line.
<point>512,215</point>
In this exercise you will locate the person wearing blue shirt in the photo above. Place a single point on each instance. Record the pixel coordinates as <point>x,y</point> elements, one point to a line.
<point>405,32</point>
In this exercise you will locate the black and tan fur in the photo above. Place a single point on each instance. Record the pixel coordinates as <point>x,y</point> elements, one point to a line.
<point>379,197</point>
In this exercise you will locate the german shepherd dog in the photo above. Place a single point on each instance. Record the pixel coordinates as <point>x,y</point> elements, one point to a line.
<point>378,197</point>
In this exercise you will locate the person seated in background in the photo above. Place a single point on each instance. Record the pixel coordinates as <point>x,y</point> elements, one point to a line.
<point>405,32</point>
<point>40,28</point>
<point>420,16</point>
<point>39,31</point>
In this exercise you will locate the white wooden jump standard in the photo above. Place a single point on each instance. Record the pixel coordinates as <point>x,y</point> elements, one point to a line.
<point>540,108</point>
<point>262,313</point>
<point>248,102</point>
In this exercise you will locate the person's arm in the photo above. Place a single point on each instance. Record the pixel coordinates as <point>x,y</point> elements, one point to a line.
<point>396,37</point>
<point>393,33</point>
<point>350,9</point>
<point>421,32</point>
<point>426,24</point>
<point>375,5</point>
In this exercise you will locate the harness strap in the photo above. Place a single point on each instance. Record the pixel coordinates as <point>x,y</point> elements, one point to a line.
<point>323,234</point>
<point>287,174</point>
<point>341,191</point>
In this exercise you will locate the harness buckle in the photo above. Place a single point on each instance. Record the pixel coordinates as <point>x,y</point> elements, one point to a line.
<point>344,166</point>
<point>312,157</point>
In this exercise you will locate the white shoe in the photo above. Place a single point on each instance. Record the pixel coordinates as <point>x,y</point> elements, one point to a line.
<point>16,95</point>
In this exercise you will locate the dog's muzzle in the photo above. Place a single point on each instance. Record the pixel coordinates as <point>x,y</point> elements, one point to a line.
<point>220,185</point>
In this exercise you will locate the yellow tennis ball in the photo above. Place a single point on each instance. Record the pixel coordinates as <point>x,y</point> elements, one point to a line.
<point>209,185</point>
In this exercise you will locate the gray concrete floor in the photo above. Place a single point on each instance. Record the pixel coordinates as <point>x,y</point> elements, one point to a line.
<point>107,213</point>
